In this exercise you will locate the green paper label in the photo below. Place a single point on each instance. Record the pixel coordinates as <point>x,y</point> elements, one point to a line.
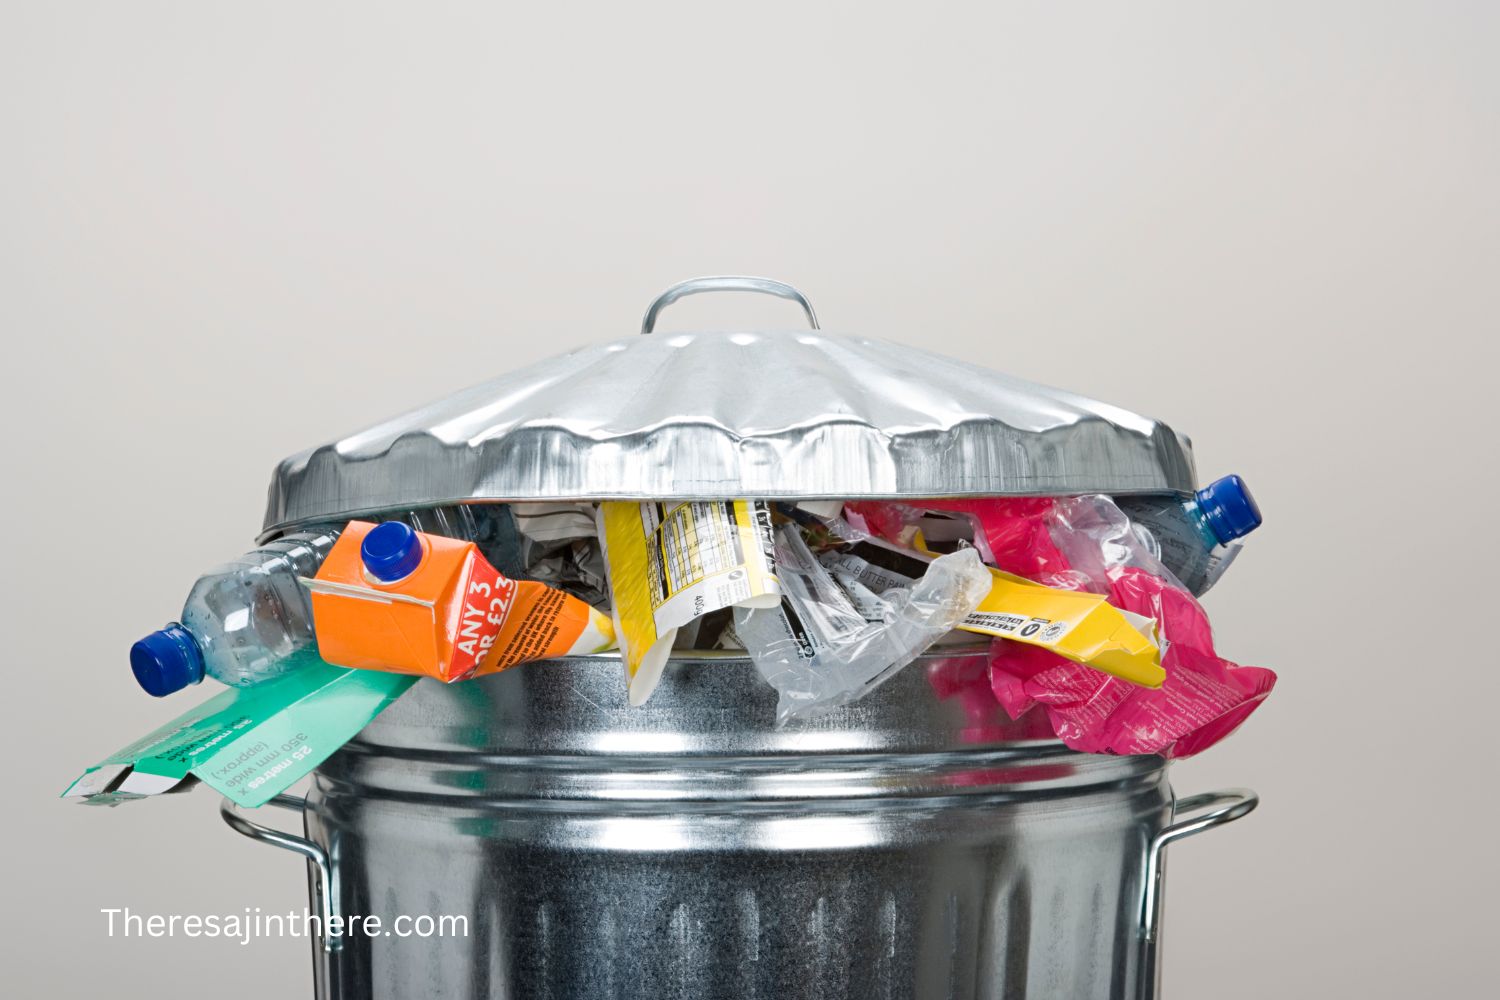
<point>249,744</point>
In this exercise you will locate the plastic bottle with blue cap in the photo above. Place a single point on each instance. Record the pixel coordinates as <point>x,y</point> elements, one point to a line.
<point>251,620</point>
<point>1198,538</point>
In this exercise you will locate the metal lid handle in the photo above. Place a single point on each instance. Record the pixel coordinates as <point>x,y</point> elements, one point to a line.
<point>726,283</point>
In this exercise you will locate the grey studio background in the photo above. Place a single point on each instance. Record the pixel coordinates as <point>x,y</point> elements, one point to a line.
<point>228,232</point>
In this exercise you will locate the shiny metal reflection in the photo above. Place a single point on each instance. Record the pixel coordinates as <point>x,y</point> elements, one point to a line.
<point>749,414</point>
<point>928,849</point>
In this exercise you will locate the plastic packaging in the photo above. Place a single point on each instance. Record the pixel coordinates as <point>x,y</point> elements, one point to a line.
<point>1091,543</point>
<point>1205,697</point>
<point>1011,533</point>
<point>393,599</point>
<point>1197,538</point>
<point>672,563</point>
<point>250,620</point>
<point>820,650</point>
<point>559,546</point>
<point>492,527</point>
<point>244,622</point>
<point>1078,625</point>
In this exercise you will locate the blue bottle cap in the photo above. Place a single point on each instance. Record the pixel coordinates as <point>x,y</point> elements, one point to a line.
<point>391,551</point>
<point>167,660</point>
<point>1230,509</point>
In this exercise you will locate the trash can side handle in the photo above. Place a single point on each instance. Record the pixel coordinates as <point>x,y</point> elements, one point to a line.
<point>328,915</point>
<point>1231,804</point>
<point>726,283</point>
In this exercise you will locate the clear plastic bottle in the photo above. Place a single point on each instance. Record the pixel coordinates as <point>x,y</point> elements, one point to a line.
<point>251,620</point>
<point>243,622</point>
<point>492,527</point>
<point>1198,537</point>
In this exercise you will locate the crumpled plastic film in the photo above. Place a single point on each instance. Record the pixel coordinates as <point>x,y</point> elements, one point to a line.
<point>1204,698</point>
<point>1012,533</point>
<point>1088,543</point>
<point>819,651</point>
<point>557,544</point>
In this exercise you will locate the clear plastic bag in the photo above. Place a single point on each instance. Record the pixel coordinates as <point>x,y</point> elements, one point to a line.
<point>1088,543</point>
<point>1205,697</point>
<point>819,650</point>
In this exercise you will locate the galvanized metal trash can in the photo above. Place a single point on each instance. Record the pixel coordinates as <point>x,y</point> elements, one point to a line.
<point>910,845</point>
<point>914,844</point>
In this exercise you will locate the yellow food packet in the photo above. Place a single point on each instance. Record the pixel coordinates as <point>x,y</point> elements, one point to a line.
<point>672,562</point>
<point>1077,625</point>
<point>1074,624</point>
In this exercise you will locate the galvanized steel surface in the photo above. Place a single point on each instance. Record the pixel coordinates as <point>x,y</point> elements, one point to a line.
<point>916,844</point>
<point>720,415</point>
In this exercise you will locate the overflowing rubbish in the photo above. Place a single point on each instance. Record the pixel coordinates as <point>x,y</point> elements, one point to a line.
<point>251,619</point>
<point>696,556</point>
<point>388,597</point>
<point>1198,538</point>
<point>559,546</point>
<point>1088,543</point>
<point>1204,698</point>
<point>1080,626</point>
<point>245,622</point>
<point>249,744</point>
<point>1088,623</point>
<point>889,502</point>
<point>1088,603</point>
<point>672,564</point>
<point>820,649</point>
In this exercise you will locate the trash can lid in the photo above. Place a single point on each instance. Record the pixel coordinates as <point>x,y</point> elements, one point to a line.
<point>720,415</point>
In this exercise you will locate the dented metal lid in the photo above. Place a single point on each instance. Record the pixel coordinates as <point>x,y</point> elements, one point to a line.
<point>720,415</point>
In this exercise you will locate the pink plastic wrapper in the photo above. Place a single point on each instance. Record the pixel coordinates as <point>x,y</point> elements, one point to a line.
<point>1087,543</point>
<point>1012,532</point>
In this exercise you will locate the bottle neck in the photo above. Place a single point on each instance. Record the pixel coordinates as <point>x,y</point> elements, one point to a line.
<point>1199,520</point>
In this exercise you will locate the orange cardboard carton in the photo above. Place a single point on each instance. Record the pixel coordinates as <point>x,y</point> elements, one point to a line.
<point>390,598</point>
